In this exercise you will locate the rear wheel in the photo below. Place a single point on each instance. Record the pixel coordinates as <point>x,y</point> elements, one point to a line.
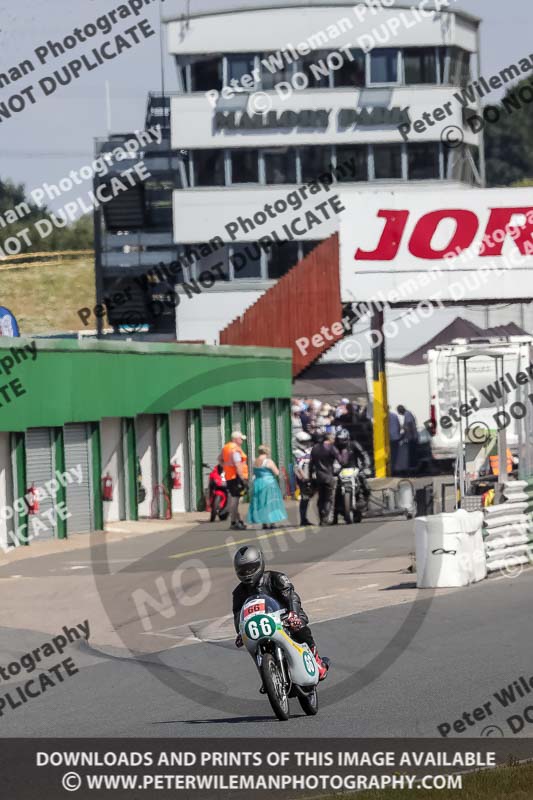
<point>309,702</point>
<point>274,687</point>
<point>357,515</point>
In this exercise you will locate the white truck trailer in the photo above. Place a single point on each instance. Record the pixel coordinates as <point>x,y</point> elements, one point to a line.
<point>430,390</point>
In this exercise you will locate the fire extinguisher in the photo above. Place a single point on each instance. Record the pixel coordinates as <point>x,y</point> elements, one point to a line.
<point>32,500</point>
<point>107,488</point>
<point>176,475</point>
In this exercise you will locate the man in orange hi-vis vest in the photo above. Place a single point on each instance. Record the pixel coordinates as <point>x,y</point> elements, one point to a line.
<point>234,461</point>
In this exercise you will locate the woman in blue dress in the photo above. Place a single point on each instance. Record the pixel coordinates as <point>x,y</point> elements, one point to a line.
<point>266,505</point>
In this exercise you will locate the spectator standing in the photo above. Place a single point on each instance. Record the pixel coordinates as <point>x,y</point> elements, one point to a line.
<point>395,434</point>
<point>302,466</point>
<point>342,407</point>
<point>234,461</point>
<point>409,434</point>
<point>305,417</point>
<point>266,504</point>
<point>324,456</point>
<point>296,419</point>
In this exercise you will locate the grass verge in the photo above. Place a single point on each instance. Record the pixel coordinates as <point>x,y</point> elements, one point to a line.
<point>45,298</point>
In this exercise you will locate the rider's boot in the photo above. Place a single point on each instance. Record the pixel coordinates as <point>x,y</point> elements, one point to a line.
<point>323,664</point>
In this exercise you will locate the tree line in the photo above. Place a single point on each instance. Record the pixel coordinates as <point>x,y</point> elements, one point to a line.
<point>78,235</point>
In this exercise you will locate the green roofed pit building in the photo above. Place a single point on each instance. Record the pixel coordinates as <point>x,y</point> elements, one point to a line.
<point>98,431</point>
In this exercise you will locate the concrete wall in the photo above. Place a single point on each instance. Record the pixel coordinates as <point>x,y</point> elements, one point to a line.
<point>211,312</point>
<point>269,29</point>
<point>408,385</point>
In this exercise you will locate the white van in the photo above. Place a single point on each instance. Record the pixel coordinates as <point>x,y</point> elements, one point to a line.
<point>479,403</point>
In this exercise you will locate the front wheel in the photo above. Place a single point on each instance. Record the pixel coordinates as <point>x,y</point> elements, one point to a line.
<point>274,687</point>
<point>309,702</point>
<point>347,509</point>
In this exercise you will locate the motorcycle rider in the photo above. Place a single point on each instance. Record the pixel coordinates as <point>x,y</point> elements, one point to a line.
<point>353,455</point>
<point>302,463</point>
<point>249,564</point>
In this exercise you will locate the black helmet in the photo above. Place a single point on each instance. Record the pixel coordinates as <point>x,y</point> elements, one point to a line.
<point>249,563</point>
<point>343,435</point>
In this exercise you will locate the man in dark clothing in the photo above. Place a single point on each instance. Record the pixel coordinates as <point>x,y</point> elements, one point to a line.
<point>249,563</point>
<point>409,434</point>
<point>322,468</point>
<point>349,420</point>
<point>305,419</point>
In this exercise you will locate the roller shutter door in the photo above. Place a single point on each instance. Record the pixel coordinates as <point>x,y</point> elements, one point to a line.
<point>79,495</point>
<point>211,440</point>
<point>266,423</point>
<point>39,471</point>
<point>252,432</point>
<point>236,417</point>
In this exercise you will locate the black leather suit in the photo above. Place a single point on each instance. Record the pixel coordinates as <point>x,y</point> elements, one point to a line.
<point>278,586</point>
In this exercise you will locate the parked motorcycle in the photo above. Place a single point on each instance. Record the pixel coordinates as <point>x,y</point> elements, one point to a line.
<point>217,494</point>
<point>349,499</point>
<point>287,669</point>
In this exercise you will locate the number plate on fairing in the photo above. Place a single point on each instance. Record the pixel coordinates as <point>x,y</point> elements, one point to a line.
<point>260,626</point>
<point>255,607</point>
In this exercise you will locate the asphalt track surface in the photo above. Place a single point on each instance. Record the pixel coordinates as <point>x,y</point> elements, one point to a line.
<point>466,646</point>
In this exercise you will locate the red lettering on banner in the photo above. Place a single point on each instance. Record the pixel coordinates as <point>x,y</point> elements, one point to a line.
<point>467,224</point>
<point>499,228</point>
<point>391,237</point>
<point>499,221</point>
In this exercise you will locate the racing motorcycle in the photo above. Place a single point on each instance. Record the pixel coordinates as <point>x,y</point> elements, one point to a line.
<point>287,669</point>
<point>349,498</point>
<point>217,494</point>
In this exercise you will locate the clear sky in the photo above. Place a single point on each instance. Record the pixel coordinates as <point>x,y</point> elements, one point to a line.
<point>56,135</point>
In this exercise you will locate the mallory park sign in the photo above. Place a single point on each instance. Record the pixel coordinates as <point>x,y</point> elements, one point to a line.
<point>316,119</point>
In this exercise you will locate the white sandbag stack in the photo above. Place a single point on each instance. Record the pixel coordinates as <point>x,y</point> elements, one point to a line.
<point>506,529</point>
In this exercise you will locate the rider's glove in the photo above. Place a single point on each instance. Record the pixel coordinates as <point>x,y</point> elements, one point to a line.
<point>238,641</point>
<point>294,621</point>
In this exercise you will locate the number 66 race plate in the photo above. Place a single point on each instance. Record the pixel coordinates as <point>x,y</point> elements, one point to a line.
<point>255,607</point>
